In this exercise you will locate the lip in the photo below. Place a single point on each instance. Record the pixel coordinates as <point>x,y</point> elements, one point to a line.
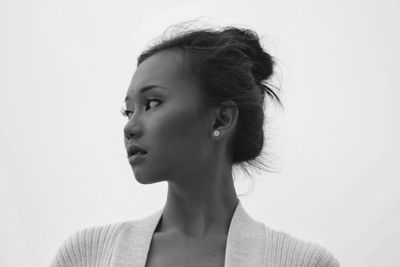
<point>133,148</point>
<point>136,158</point>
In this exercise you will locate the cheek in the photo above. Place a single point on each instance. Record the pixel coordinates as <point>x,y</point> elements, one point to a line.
<point>178,133</point>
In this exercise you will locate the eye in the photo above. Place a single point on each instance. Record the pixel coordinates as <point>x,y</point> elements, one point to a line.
<point>127,113</point>
<point>151,100</point>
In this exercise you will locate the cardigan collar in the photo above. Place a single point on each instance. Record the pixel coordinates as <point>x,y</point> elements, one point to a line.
<point>244,246</point>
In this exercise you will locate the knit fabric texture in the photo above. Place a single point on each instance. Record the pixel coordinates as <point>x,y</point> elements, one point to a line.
<point>249,243</point>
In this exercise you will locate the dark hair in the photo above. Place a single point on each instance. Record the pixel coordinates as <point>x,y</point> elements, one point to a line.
<point>229,64</point>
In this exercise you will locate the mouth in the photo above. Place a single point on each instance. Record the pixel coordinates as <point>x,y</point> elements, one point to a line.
<point>137,156</point>
<point>135,150</point>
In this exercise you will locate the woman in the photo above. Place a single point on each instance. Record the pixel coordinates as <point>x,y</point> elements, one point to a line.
<point>195,108</point>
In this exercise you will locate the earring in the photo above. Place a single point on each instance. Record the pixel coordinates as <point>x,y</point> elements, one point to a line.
<point>216,133</point>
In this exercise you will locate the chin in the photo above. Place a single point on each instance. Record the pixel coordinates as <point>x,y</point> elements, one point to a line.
<point>144,180</point>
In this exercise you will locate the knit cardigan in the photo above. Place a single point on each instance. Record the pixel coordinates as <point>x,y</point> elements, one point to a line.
<point>249,244</point>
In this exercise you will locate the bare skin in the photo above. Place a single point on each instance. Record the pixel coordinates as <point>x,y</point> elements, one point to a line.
<point>177,134</point>
<point>177,249</point>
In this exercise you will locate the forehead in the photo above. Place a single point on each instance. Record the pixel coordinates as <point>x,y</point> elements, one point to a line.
<point>164,68</point>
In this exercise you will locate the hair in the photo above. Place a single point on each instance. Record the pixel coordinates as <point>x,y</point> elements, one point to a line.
<point>229,64</point>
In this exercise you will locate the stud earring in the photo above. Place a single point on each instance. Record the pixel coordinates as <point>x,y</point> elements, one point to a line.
<point>216,133</point>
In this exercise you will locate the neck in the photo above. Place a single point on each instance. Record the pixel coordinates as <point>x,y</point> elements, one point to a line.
<point>200,206</point>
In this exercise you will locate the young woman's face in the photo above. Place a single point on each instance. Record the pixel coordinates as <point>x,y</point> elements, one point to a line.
<point>171,127</point>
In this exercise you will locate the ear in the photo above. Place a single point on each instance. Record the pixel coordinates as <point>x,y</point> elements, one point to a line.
<point>226,117</point>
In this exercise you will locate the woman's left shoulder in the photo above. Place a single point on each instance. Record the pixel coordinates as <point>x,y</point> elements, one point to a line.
<point>282,247</point>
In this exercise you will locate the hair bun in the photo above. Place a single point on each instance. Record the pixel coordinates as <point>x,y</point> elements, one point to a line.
<point>262,67</point>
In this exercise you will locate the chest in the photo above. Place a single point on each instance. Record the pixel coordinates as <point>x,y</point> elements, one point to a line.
<point>168,252</point>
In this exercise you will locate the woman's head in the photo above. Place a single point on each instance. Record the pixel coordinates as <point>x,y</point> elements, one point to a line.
<point>213,79</point>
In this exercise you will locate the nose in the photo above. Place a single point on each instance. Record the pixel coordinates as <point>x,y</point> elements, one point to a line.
<point>132,129</point>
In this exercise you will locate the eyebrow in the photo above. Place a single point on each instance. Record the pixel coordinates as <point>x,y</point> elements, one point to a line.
<point>145,89</point>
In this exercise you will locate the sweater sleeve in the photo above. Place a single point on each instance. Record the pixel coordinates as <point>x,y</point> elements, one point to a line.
<point>284,249</point>
<point>326,258</point>
<point>87,247</point>
<point>69,252</point>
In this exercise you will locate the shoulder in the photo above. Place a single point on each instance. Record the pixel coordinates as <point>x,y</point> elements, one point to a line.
<point>88,246</point>
<point>282,248</point>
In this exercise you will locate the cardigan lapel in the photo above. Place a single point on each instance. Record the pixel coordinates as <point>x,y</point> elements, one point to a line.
<point>245,241</point>
<point>134,241</point>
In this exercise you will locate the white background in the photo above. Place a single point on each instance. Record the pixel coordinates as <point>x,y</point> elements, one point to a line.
<point>65,67</point>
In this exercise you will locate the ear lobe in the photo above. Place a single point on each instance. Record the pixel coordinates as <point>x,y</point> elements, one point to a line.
<point>227,115</point>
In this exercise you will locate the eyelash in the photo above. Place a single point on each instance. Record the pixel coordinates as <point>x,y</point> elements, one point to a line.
<point>126,113</point>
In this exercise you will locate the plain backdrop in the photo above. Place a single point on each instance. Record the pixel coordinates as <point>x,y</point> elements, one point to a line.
<point>65,67</point>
